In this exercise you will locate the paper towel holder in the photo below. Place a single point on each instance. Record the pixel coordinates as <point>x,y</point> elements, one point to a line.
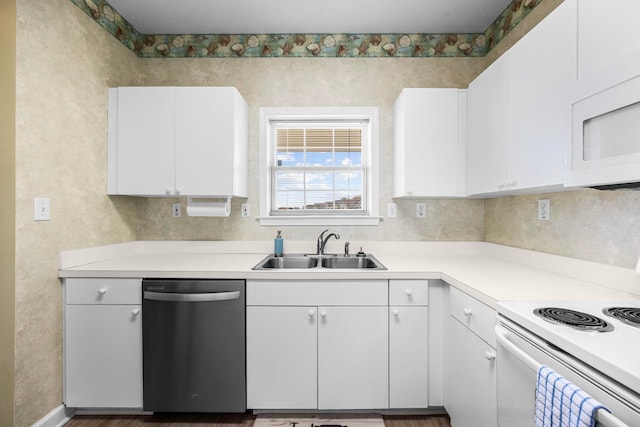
<point>208,208</point>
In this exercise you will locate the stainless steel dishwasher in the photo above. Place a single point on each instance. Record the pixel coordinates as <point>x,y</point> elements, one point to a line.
<point>194,345</point>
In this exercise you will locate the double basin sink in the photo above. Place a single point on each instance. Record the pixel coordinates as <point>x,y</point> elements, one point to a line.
<point>303,261</point>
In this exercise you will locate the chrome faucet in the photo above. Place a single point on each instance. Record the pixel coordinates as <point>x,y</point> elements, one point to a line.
<point>322,241</point>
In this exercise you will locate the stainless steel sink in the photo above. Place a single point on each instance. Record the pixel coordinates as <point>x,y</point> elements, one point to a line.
<point>286,261</point>
<point>302,261</point>
<point>366,262</point>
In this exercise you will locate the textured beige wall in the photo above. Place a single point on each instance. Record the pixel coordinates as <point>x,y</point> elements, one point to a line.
<point>65,63</point>
<point>7,207</point>
<point>600,226</point>
<point>317,82</point>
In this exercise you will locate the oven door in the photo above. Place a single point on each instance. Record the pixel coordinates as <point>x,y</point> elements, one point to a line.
<point>520,353</point>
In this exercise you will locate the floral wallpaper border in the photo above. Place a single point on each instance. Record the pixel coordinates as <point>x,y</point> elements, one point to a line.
<point>305,45</point>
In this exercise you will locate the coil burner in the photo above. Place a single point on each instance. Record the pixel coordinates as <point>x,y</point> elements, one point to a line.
<point>573,319</point>
<point>628,315</point>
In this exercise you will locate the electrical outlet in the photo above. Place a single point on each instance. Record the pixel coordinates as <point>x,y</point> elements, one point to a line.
<point>544,209</point>
<point>245,210</point>
<point>392,210</point>
<point>177,210</point>
<point>41,209</point>
<point>421,210</point>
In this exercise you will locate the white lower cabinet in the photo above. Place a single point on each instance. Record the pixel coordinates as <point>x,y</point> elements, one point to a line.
<point>353,362</point>
<point>408,351</point>
<point>408,344</point>
<point>282,358</point>
<point>470,368</point>
<point>102,343</point>
<point>332,355</point>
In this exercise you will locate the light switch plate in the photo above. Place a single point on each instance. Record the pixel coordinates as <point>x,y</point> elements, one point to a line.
<point>41,209</point>
<point>392,210</point>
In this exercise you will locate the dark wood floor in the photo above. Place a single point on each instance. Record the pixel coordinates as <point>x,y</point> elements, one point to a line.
<point>228,420</point>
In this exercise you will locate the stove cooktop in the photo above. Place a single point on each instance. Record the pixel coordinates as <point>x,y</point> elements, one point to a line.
<point>628,315</point>
<point>614,351</point>
<point>573,319</point>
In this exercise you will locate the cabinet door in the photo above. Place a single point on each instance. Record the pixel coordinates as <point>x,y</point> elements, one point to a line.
<point>408,357</point>
<point>427,146</point>
<point>470,385</point>
<point>486,129</point>
<point>204,140</point>
<point>103,356</point>
<point>539,118</point>
<point>604,33</point>
<point>145,141</point>
<point>353,358</point>
<point>282,358</point>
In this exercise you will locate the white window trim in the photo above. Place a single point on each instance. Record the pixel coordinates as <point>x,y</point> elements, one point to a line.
<point>267,114</point>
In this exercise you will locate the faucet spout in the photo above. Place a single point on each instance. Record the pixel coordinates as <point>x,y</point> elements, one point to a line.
<point>320,243</point>
<point>324,242</point>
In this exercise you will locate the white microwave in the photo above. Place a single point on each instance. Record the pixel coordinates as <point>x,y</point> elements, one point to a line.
<point>605,138</point>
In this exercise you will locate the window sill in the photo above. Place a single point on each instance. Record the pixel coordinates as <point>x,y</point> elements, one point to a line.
<point>319,220</point>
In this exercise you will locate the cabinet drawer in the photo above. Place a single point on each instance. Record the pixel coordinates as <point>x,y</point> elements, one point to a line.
<point>317,292</point>
<point>475,315</point>
<point>103,291</point>
<point>408,292</point>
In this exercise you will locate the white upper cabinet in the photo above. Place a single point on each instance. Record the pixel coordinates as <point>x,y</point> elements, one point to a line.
<point>607,43</point>
<point>519,116</point>
<point>428,143</point>
<point>487,130</point>
<point>177,141</point>
<point>542,69</point>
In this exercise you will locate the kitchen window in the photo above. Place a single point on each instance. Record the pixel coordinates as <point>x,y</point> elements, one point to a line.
<point>319,166</point>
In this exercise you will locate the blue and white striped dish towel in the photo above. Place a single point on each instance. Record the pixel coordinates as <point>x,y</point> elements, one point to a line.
<point>560,403</point>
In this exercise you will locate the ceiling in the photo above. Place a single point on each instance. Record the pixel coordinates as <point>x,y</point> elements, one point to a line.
<point>303,16</point>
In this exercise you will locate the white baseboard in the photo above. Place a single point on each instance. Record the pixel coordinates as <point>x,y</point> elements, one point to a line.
<point>56,418</point>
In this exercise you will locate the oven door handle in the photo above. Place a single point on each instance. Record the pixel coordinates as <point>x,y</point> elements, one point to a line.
<point>502,336</point>
<point>195,297</point>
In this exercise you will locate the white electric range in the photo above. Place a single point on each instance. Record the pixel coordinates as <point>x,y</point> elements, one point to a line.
<point>596,348</point>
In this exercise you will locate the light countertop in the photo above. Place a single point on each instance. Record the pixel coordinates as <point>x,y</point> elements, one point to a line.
<point>488,272</point>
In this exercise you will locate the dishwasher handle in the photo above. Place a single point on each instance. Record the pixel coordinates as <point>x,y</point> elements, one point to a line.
<point>191,297</point>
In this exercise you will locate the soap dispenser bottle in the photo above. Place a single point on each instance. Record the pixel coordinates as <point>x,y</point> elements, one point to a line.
<point>278,245</point>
